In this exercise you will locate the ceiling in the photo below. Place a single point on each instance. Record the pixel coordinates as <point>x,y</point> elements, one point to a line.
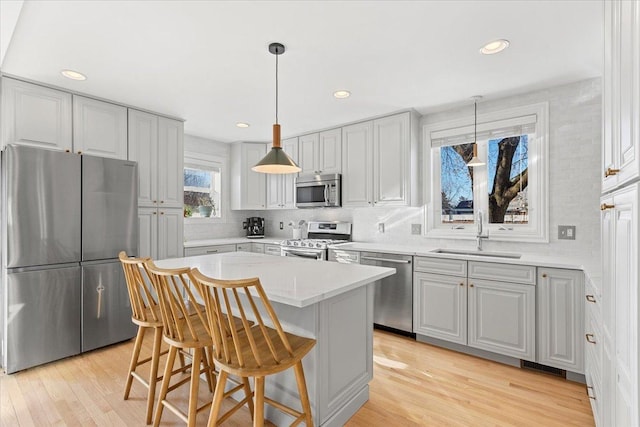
<point>208,63</point>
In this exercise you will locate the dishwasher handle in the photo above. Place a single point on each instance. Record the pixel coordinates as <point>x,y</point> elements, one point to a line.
<point>391,260</point>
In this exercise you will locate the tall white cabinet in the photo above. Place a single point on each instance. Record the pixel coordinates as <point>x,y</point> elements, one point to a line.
<point>612,319</point>
<point>156,143</point>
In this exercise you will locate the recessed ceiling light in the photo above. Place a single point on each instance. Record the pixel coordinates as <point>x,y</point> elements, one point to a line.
<point>494,47</point>
<point>340,94</point>
<point>73,75</point>
<point>242,125</point>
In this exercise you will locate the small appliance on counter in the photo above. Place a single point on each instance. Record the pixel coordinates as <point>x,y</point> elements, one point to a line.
<point>255,227</point>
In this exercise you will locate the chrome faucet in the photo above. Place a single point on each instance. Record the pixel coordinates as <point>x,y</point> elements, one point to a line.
<point>480,236</point>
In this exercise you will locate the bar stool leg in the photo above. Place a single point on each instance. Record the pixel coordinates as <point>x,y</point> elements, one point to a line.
<point>247,391</point>
<point>153,375</point>
<point>258,418</point>
<point>134,359</point>
<point>217,399</point>
<point>302,390</point>
<point>195,382</point>
<point>166,378</point>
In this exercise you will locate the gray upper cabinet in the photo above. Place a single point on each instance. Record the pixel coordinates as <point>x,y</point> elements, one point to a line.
<point>281,187</point>
<point>321,153</point>
<point>99,128</point>
<point>248,188</point>
<point>35,115</point>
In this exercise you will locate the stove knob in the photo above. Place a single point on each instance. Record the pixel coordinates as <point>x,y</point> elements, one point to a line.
<point>296,243</point>
<point>318,245</point>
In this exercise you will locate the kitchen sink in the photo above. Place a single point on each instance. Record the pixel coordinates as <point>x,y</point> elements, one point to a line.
<point>477,253</point>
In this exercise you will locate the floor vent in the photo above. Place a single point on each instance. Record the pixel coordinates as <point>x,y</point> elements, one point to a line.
<point>543,368</point>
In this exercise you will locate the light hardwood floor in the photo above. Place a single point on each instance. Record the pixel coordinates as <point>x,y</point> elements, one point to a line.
<point>414,384</point>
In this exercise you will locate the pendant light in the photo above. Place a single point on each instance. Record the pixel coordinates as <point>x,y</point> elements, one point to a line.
<point>276,161</point>
<point>475,161</point>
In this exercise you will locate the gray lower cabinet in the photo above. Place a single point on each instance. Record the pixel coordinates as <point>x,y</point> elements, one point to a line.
<point>443,306</point>
<point>489,306</point>
<point>502,317</point>
<point>561,318</point>
<point>270,249</point>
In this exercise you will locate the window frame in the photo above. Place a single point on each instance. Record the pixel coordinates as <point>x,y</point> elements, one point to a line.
<point>538,162</point>
<point>207,162</point>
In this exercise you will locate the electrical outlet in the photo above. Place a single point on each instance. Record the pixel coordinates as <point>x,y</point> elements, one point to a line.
<point>381,227</point>
<point>567,232</point>
<point>281,225</point>
<point>416,228</point>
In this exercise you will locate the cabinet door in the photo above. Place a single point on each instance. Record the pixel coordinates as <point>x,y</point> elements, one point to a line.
<point>99,128</point>
<point>357,177</point>
<point>274,191</point>
<point>170,233</point>
<point>330,151</point>
<point>624,276</point>
<point>391,144</point>
<point>440,307</point>
<point>290,146</point>
<point>308,154</point>
<point>35,115</point>
<point>143,148</point>
<point>560,318</point>
<point>621,92</point>
<point>170,163</point>
<point>502,318</point>
<point>148,229</point>
<point>209,250</point>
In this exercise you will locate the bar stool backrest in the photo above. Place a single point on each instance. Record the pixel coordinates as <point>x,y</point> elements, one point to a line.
<point>181,313</point>
<point>144,305</point>
<point>252,345</point>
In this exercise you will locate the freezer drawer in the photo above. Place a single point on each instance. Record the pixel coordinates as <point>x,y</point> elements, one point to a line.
<point>106,311</point>
<point>42,316</point>
<point>109,208</point>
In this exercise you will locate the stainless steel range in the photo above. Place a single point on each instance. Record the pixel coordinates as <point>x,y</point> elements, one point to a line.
<point>319,236</point>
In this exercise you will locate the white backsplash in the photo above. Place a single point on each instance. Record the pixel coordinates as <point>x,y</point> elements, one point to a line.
<point>574,185</point>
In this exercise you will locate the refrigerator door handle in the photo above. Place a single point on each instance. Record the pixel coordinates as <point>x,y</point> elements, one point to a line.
<point>99,289</point>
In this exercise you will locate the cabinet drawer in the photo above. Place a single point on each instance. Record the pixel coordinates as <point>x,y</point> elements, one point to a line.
<point>272,250</point>
<point>204,250</point>
<point>502,272</point>
<point>450,267</point>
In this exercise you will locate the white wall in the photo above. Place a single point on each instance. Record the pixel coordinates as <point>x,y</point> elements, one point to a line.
<point>574,181</point>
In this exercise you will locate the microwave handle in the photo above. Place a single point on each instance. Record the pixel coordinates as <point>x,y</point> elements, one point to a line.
<point>326,194</point>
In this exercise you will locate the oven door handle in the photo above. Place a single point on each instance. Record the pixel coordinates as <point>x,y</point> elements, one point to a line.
<point>393,261</point>
<point>302,254</point>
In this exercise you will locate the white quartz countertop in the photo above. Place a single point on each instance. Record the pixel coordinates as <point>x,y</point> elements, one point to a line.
<point>292,281</point>
<point>231,241</point>
<point>540,260</point>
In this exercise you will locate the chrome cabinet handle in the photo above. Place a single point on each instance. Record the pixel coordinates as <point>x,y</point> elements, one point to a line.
<point>213,251</point>
<point>590,338</point>
<point>591,298</point>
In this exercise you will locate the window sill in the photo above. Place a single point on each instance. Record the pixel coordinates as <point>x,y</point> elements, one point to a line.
<point>494,235</point>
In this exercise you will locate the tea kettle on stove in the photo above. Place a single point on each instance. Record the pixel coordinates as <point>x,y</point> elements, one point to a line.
<point>254,226</point>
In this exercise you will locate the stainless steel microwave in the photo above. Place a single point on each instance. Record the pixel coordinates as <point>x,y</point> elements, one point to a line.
<point>319,191</point>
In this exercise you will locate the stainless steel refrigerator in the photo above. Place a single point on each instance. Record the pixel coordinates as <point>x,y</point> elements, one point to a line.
<point>65,218</point>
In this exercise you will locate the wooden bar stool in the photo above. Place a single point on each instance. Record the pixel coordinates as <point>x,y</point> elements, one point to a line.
<point>185,328</point>
<point>145,313</point>
<point>253,351</point>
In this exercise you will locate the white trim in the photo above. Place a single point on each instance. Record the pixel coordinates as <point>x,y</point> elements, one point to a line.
<point>538,228</point>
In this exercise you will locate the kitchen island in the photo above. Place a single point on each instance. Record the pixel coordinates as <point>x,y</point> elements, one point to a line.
<point>330,302</point>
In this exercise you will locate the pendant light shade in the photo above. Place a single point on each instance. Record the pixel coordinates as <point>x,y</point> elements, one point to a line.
<point>276,161</point>
<point>475,161</point>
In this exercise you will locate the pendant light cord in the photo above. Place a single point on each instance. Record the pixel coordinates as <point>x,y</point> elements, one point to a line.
<point>475,121</point>
<point>277,87</point>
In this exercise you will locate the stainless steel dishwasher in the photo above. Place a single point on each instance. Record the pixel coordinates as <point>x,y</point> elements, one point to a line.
<point>393,295</point>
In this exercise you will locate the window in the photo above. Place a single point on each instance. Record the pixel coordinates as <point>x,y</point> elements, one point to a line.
<point>510,190</point>
<point>202,189</point>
